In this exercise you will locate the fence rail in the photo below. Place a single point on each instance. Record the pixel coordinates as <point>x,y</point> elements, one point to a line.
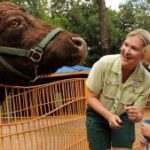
<point>45,117</point>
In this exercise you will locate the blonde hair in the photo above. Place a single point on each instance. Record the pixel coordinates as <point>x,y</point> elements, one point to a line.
<point>147,54</point>
<point>144,35</point>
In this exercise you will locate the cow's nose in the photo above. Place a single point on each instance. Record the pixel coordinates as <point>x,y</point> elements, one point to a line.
<point>80,43</point>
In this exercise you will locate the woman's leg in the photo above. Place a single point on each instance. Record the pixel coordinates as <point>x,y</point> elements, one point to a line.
<point>98,134</point>
<point>124,137</point>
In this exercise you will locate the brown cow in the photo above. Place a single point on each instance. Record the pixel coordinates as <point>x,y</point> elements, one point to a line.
<point>30,47</point>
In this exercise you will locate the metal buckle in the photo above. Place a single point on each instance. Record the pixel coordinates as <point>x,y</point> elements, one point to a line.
<point>35,55</point>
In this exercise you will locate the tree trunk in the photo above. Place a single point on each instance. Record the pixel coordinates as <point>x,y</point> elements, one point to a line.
<point>103,27</point>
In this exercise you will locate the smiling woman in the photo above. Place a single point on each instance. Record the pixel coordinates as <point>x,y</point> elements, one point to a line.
<point>118,87</point>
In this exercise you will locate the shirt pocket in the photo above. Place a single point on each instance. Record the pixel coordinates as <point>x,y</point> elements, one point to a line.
<point>110,88</point>
<point>109,91</point>
<point>107,100</point>
<point>108,94</point>
<point>131,94</point>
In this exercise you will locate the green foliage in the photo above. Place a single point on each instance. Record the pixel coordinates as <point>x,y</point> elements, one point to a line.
<point>115,32</point>
<point>134,14</point>
<point>83,18</point>
<point>36,7</point>
<point>59,21</point>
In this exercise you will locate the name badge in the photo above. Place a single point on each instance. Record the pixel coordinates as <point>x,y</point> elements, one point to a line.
<point>136,84</point>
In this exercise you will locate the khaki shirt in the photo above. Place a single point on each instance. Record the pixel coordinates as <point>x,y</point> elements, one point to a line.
<point>105,80</point>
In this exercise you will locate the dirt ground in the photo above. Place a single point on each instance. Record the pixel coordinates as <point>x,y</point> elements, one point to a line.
<point>137,145</point>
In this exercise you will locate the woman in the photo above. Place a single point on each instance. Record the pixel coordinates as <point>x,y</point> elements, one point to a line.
<point>118,86</point>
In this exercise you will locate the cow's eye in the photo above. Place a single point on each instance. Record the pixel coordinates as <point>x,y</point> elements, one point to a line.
<point>14,23</point>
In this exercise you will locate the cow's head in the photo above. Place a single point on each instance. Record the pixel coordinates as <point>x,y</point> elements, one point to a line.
<point>30,47</point>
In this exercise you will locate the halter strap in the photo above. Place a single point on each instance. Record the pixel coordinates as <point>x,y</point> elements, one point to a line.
<point>11,68</point>
<point>33,54</point>
<point>48,38</point>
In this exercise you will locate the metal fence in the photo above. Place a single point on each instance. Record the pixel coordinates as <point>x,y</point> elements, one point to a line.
<point>50,116</point>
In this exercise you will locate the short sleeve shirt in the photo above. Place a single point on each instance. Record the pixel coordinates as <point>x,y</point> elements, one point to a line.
<point>105,81</point>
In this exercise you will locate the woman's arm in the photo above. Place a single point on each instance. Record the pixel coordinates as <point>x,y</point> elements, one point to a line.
<point>94,102</point>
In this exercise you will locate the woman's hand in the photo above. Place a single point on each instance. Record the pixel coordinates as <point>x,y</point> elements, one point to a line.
<point>94,102</point>
<point>114,121</point>
<point>134,113</point>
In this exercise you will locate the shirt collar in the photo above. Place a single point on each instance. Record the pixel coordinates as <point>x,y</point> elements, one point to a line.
<point>136,77</point>
<point>138,73</point>
<point>116,67</point>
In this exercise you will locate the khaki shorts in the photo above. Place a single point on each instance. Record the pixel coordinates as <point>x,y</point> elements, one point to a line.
<point>102,137</point>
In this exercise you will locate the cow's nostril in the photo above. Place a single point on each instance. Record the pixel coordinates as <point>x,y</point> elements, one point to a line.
<point>78,41</point>
<point>80,44</point>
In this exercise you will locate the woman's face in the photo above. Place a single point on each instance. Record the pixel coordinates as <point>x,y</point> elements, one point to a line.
<point>131,52</point>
